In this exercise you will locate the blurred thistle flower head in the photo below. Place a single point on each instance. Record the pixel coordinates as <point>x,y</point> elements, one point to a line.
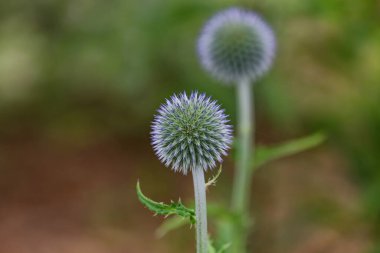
<point>235,45</point>
<point>190,132</point>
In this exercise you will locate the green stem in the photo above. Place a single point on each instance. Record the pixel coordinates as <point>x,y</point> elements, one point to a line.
<point>243,173</point>
<point>200,210</point>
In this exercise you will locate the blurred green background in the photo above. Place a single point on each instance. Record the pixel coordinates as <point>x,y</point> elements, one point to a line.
<point>80,82</point>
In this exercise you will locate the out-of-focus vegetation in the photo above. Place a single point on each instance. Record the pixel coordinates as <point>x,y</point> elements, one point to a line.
<point>79,71</point>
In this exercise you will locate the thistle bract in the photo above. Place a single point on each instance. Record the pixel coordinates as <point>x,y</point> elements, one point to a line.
<point>190,133</point>
<point>236,44</point>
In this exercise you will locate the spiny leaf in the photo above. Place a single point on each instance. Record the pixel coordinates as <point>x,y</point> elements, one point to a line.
<point>215,210</point>
<point>166,209</point>
<point>266,154</point>
<point>212,181</point>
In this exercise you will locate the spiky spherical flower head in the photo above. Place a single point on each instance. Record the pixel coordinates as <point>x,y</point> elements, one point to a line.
<point>236,44</point>
<point>190,132</point>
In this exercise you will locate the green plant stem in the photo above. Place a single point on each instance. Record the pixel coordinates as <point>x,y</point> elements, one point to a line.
<point>243,173</point>
<point>200,210</point>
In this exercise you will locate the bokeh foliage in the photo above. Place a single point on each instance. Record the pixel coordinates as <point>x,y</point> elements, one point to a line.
<point>81,70</point>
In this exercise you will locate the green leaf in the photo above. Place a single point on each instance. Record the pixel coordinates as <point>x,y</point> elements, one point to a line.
<point>212,249</point>
<point>267,154</point>
<point>224,248</point>
<point>171,224</point>
<point>166,209</point>
<point>222,213</point>
<point>217,211</point>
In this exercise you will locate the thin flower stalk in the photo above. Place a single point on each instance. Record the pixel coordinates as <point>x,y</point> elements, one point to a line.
<point>191,134</point>
<point>237,47</point>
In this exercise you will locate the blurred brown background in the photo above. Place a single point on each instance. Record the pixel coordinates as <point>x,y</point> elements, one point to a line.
<point>80,82</point>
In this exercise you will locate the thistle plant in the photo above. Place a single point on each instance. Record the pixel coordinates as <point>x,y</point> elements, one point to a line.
<point>236,46</point>
<point>191,134</point>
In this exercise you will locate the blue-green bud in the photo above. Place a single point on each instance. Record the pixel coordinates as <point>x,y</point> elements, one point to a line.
<point>236,44</point>
<point>190,133</point>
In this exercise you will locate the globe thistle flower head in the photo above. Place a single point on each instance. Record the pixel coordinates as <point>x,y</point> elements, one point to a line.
<point>236,44</point>
<point>190,132</point>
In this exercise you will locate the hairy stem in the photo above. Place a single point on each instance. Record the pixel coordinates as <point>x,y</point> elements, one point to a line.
<point>200,210</point>
<point>243,173</point>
